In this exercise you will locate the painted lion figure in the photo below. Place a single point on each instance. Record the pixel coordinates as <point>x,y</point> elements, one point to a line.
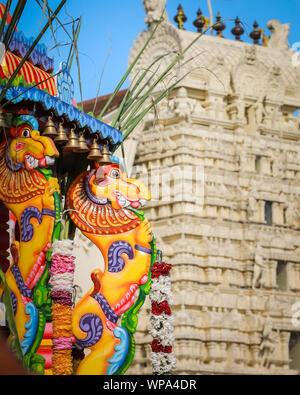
<point>29,195</point>
<point>104,204</point>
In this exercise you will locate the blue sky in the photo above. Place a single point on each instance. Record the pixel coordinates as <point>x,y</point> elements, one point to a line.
<point>113,26</point>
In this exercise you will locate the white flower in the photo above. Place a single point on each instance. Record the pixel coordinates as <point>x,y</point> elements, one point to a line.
<point>161,290</point>
<point>63,247</point>
<point>162,363</point>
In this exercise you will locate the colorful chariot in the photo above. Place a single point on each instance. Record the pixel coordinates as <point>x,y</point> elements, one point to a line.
<point>58,174</point>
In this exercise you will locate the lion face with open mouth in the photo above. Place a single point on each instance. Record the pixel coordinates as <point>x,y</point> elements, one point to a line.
<point>21,155</point>
<point>111,184</point>
<point>31,149</point>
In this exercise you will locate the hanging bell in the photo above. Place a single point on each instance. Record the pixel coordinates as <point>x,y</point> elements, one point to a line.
<point>50,129</point>
<point>62,137</point>
<point>95,153</point>
<point>82,144</point>
<point>105,157</point>
<point>3,123</point>
<point>72,143</point>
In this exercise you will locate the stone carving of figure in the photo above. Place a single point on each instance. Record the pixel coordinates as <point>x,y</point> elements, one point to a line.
<point>279,35</point>
<point>241,108</point>
<point>268,343</point>
<point>250,54</point>
<point>237,109</point>
<point>259,112</point>
<point>252,207</point>
<point>292,123</point>
<point>269,116</point>
<point>154,10</point>
<point>251,119</point>
<point>278,163</point>
<point>182,105</point>
<point>292,212</point>
<point>276,117</point>
<point>258,270</point>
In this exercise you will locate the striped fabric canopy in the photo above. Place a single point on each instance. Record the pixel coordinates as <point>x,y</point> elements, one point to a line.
<point>31,73</point>
<point>8,19</point>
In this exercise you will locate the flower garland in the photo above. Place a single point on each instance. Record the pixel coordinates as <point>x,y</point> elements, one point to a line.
<point>161,320</point>
<point>61,280</point>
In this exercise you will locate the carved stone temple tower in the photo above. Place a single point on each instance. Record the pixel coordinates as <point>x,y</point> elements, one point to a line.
<point>229,136</point>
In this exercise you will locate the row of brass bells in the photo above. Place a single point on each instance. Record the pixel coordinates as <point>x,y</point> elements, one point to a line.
<point>102,158</point>
<point>74,144</point>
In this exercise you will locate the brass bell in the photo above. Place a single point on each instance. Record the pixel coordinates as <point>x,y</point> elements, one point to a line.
<point>72,143</point>
<point>95,153</point>
<point>50,129</point>
<point>82,144</point>
<point>105,157</point>
<point>61,135</point>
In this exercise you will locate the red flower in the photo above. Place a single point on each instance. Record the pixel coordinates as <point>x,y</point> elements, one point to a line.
<point>159,308</point>
<point>168,349</point>
<point>157,347</point>
<point>160,269</point>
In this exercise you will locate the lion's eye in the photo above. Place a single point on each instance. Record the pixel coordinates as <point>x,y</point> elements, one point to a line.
<point>115,173</point>
<point>26,133</point>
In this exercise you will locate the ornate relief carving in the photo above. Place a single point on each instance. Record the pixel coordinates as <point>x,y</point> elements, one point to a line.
<point>155,10</point>
<point>279,35</point>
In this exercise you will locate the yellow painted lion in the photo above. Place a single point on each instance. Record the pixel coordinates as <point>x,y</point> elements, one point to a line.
<point>101,203</point>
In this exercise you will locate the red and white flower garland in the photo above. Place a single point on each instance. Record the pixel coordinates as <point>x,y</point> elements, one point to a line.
<point>61,280</point>
<point>161,319</point>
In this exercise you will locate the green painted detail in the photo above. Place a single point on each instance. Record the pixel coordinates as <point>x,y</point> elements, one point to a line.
<point>47,173</point>
<point>14,340</point>
<point>20,81</point>
<point>39,333</point>
<point>34,363</point>
<point>41,293</point>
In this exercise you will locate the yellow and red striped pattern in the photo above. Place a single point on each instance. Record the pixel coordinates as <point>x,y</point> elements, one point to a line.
<point>8,19</point>
<point>31,73</point>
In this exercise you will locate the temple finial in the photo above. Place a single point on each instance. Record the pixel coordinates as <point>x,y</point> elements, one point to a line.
<point>180,18</point>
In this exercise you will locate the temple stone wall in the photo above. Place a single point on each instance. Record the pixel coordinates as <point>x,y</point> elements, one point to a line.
<point>221,157</point>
